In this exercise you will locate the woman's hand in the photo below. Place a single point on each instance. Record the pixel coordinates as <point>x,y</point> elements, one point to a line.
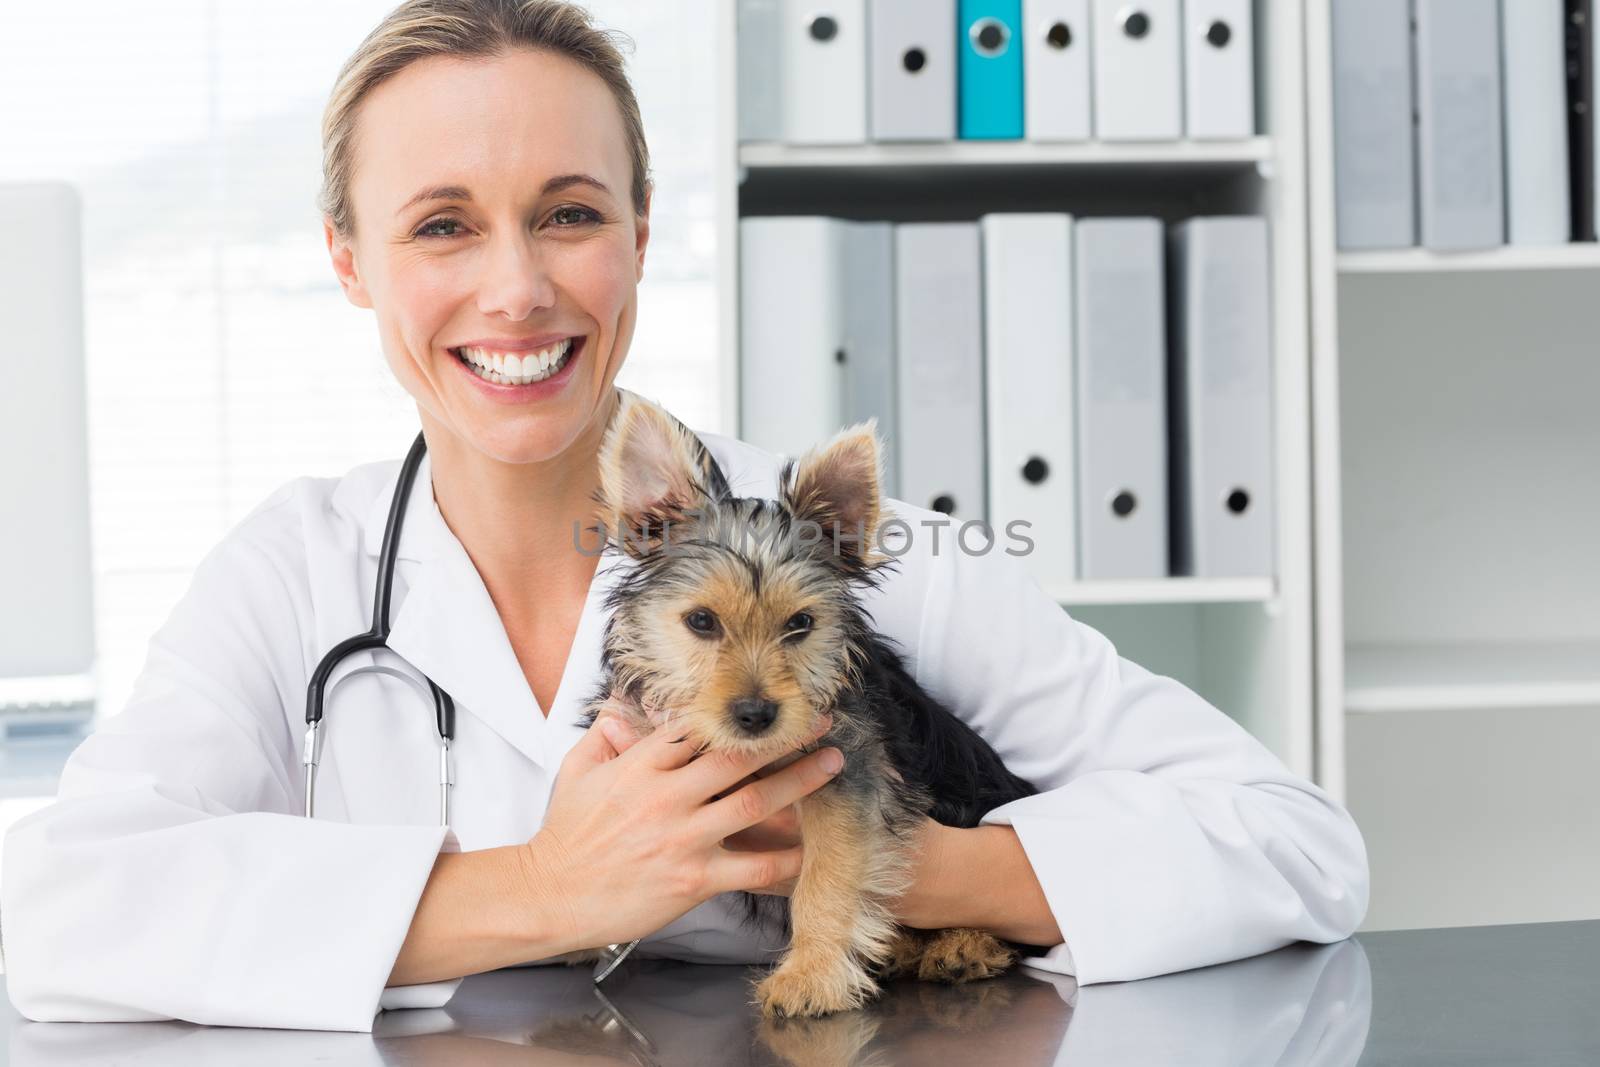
<point>780,830</point>
<point>633,839</point>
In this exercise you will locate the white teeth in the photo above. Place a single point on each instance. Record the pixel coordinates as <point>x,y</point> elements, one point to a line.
<point>510,368</point>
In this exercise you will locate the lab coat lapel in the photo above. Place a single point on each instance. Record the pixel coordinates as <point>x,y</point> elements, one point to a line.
<point>583,671</point>
<point>446,625</point>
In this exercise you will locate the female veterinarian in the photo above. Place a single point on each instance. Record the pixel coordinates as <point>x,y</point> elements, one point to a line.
<point>486,191</point>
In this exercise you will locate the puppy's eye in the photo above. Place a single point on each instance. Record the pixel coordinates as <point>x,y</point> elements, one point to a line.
<point>799,623</point>
<point>701,621</point>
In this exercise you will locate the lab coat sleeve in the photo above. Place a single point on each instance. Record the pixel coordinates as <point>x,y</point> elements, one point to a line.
<point>175,876</point>
<point>1165,836</point>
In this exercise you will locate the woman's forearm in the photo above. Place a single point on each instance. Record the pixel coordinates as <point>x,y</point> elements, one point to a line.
<point>980,879</point>
<point>480,910</point>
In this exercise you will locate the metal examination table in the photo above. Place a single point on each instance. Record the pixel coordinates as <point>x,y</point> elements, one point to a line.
<point>1526,994</point>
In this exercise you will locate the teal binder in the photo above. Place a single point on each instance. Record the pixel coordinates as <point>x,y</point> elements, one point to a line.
<point>990,45</point>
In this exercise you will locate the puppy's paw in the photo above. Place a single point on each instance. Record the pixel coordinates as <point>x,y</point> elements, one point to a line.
<point>808,991</point>
<point>958,956</point>
<point>905,952</point>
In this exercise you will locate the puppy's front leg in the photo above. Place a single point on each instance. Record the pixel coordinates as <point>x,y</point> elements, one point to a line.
<point>839,921</point>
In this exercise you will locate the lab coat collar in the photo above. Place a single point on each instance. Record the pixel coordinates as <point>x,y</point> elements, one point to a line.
<point>445,624</point>
<point>419,530</point>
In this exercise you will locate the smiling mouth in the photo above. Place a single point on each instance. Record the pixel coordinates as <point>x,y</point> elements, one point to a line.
<point>512,368</point>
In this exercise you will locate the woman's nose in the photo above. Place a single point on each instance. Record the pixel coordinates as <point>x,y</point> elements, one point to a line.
<point>516,280</point>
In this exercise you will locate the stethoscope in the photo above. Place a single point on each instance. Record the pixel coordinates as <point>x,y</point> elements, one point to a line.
<point>444,709</point>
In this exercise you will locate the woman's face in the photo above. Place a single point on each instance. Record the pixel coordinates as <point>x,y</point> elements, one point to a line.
<point>525,237</point>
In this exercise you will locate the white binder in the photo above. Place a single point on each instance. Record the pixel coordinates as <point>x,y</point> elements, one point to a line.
<point>1374,155</point>
<point>939,367</point>
<point>791,330</point>
<point>1136,65</point>
<point>912,58</point>
<point>1027,315</point>
<point>1538,196</point>
<point>824,71</point>
<point>1220,390</point>
<point>866,291</point>
<point>760,47</point>
<point>1120,389</point>
<point>1459,151</point>
<point>816,332</point>
<point>1219,69</point>
<point>1055,68</point>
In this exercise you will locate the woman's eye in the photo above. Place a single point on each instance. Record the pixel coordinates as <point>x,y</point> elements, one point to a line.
<point>799,623</point>
<point>578,214</point>
<point>701,621</point>
<point>422,231</point>
<point>565,218</point>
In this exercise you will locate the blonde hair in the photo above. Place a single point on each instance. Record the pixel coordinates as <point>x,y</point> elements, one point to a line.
<point>418,29</point>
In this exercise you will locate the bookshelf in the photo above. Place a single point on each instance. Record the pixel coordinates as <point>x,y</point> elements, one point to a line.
<point>1245,645</point>
<point>1456,510</point>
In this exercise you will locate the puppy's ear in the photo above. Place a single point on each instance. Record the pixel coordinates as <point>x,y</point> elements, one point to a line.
<point>837,486</point>
<point>652,471</point>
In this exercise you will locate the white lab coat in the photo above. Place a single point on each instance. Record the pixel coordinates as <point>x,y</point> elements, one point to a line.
<point>176,877</point>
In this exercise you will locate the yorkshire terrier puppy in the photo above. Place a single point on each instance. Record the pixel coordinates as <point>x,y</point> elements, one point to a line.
<point>739,628</point>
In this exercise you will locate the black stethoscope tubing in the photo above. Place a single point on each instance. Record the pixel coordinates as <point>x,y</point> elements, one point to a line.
<point>378,638</point>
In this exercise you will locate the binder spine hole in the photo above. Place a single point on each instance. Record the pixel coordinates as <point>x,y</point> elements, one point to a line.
<point>989,37</point>
<point>824,28</point>
<point>1035,470</point>
<point>1135,24</point>
<point>1123,504</point>
<point>914,59</point>
<point>1238,501</point>
<point>1058,36</point>
<point>945,504</point>
<point>1218,34</point>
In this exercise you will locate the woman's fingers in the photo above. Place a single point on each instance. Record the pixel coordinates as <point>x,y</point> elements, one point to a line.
<point>665,748</point>
<point>755,872</point>
<point>777,831</point>
<point>619,733</point>
<point>593,748</point>
<point>760,800</point>
<point>718,772</point>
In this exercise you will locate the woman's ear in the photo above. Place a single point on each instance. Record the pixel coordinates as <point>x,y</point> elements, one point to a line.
<point>642,232</point>
<point>650,474</point>
<point>344,265</point>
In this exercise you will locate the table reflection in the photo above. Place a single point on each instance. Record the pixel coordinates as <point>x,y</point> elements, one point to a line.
<point>1305,1004</point>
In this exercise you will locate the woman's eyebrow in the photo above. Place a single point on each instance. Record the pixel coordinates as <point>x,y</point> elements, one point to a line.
<point>458,192</point>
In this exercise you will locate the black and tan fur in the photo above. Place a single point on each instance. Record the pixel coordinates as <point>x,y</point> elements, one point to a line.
<point>790,640</point>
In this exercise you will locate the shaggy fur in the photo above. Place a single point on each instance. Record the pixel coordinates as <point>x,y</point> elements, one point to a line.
<point>738,628</point>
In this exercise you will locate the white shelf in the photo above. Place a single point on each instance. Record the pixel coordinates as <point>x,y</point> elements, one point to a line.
<point>1583,256</point>
<point>1386,678</point>
<point>1255,664</point>
<point>1166,591</point>
<point>1155,154</point>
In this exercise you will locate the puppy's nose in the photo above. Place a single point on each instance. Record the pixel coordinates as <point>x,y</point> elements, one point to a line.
<point>753,714</point>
